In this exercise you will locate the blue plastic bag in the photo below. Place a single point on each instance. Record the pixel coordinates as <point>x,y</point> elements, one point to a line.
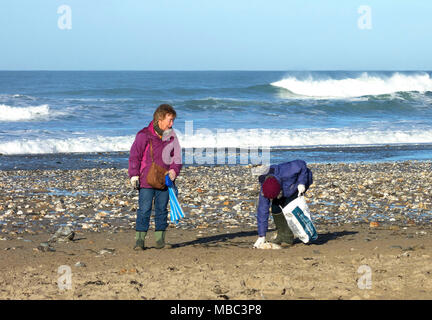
<point>176,210</point>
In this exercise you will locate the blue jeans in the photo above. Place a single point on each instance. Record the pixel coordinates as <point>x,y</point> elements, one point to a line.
<point>145,203</point>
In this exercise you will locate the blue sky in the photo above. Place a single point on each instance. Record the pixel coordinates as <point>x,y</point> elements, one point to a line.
<point>216,35</point>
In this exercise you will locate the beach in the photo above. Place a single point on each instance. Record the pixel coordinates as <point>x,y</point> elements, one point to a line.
<point>373,223</point>
<point>342,87</point>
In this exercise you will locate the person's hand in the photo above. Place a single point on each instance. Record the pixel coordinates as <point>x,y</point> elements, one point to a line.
<point>168,181</point>
<point>301,189</point>
<point>260,241</point>
<point>172,174</point>
<point>135,182</point>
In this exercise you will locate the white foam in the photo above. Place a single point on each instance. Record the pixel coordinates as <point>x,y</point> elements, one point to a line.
<point>66,145</point>
<point>4,96</point>
<point>363,85</point>
<point>246,138</point>
<point>8,113</point>
<point>259,138</point>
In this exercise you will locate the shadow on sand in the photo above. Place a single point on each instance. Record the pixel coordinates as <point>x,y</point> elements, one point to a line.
<point>231,239</point>
<point>326,237</point>
<point>220,240</point>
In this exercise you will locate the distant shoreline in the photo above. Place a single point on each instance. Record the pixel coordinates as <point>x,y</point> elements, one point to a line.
<point>119,159</point>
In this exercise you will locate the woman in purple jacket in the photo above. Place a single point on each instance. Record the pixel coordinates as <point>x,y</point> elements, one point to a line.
<point>160,136</point>
<point>279,186</point>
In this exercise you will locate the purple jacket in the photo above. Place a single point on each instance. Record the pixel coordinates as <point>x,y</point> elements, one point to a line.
<point>166,153</point>
<point>290,175</point>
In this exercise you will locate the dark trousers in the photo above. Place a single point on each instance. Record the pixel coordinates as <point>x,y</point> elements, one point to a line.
<point>283,201</point>
<point>145,203</point>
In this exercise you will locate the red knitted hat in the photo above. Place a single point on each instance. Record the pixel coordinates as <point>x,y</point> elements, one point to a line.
<point>271,188</point>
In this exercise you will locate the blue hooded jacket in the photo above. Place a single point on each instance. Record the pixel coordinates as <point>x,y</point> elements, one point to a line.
<point>290,175</point>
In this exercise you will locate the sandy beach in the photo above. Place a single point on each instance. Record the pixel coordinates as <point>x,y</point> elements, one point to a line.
<point>91,89</point>
<point>373,221</point>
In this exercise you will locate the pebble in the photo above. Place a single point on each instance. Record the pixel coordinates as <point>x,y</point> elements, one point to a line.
<point>63,234</point>
<point>396,247</point>
<point>374,224</point>
<point>107,250</point>
<point>45,247</point>
<point>80,264</point>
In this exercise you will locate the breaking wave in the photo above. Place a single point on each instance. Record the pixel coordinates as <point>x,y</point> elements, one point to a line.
<point>8,113</point>
<point>241,138</point>
<point>363,85</point>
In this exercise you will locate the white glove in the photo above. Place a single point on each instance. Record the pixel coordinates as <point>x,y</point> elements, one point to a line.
<point>260,241</point>
<point>301,189</point>
<point>172,174</point>
<point>135,182</point>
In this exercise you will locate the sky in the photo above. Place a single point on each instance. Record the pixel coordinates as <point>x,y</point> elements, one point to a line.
<point>215,35</point>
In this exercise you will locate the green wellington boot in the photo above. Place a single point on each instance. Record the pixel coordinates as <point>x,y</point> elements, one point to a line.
<point>140,237</point>
<point>160,240</point>
<point>284,237</point>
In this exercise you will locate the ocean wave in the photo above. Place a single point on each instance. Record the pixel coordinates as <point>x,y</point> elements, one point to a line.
<point>219,104</point>
<point>258,138</point>
<point>8,113</point>
<point>66,145</point>
<point>363,85</point>
<point>227,138</point>
<point>106,92</point>
<point>6,96</point>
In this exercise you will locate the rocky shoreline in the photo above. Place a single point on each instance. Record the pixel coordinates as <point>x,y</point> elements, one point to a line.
<point>99,200</point>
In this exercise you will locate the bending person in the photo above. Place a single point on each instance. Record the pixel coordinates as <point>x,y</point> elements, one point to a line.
<point>279,186</point>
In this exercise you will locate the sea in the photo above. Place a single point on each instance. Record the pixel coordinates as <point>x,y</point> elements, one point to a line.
<point>89,119</point>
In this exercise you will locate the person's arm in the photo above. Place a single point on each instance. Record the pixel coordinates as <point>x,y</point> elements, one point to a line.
<point>263,215</point>
<point>176,153</point>
<point>302,177</point>
<point>136,154</point>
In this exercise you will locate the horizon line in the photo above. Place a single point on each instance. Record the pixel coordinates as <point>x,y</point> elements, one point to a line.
<point>211,70</point>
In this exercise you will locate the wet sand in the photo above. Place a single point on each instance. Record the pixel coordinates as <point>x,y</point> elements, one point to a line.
<point>223,266</point>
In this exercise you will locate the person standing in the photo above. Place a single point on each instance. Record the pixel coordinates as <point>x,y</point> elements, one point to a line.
<point>155,143</point>
<point>279,186</point>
